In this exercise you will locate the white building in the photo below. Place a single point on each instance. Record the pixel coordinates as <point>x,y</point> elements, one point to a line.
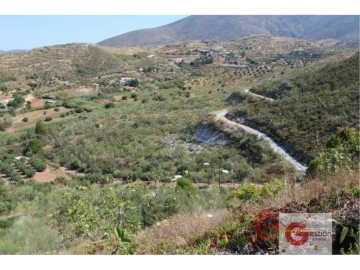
<point>126,80</point>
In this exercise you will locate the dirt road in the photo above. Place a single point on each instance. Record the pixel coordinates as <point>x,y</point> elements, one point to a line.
<point>231,125</point>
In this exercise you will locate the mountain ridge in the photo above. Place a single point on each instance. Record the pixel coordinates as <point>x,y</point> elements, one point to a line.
<point>14,51</point>
<point>229,27</point>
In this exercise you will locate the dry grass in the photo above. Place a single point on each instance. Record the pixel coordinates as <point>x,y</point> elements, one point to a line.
<point>76,92</point>
<point>179,230</point>
<point>182,229</point>
<point>312,188</point>
<point>35,116</point>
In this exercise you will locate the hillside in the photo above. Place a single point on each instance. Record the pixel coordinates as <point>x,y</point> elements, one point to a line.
<point>232,27</point>
<point>55,68</point>
<point>62,61</point>
<point>321,99</point>
<point>60,67</point>
<point>125,150</point>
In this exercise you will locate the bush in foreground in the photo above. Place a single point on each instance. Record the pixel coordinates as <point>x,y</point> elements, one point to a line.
<point>186,185</point>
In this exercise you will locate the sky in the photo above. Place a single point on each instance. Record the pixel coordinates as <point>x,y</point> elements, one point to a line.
<point>28,32</point>
<point>32,31</point>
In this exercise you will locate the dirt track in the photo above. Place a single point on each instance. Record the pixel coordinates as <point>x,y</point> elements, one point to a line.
<point>247,91</point>
<point>231,125</point>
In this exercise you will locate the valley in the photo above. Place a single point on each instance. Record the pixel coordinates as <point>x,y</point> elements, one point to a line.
<point>174,148</point>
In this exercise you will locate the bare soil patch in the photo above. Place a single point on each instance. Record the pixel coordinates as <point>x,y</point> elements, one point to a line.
<point>50,174</point>
<point>5,97</point>
<point>35,102</point>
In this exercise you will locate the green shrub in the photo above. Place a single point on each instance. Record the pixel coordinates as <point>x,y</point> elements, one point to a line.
<point>60,180</point>
<point>134,83</point>
<point>109,105</point>
<point>26,170</point>
<point>75,164</point>
<point>247,192</point>
<point>3,88</point>
<point>40,128</point>
<point>88,109</point>
<point>251,192</point>
<point>25,119</point>
<point>16,178</point>
<point>99,178</point>
<point>13,176</point>
<point>186,185</point>
<point>5,124</point>
<point>17,102</point>
<point>34,146</point>
<point>342,149</point>
<point>6,223</point>
<point>78,110</point>
<point>6,202</point>
<point>67,105</point>
<point>38,164</point>
<point>271,189</point>
<point>6,168</point>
